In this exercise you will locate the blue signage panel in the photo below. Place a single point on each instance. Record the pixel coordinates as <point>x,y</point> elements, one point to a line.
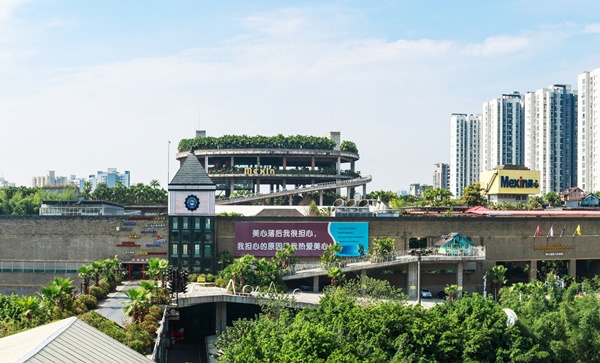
<point>352,236</point>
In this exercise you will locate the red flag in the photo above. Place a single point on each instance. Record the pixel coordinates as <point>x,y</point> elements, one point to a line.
<point>537,231</point>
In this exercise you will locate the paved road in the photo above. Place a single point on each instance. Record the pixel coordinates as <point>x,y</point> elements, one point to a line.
<point>112,307</point>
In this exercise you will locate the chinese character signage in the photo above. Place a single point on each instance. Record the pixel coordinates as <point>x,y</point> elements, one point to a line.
<point>263,239</point>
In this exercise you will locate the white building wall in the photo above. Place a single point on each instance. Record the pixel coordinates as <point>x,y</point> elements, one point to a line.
<point>464,151</point>
<point>588,138</point>
<point>502,132</point>
<point>550,119</point>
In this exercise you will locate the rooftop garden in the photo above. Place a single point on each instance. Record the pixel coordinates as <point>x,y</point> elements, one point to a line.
<point>264,142</point>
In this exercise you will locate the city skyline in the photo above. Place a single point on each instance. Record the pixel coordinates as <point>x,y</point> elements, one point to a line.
<point>112,83</point>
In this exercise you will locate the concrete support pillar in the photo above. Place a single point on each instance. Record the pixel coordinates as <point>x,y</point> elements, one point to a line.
<point>459,277</point>
<point>364,193</point>
<point>220,317</point>
<point>533,270</point>
<point>312,163</point>
<point>338,165</point>
<point>573,268</point>
<point>284,163</point>
<point>231,186</point>
<point>412,280</point>
<point>320,198</point>
<point>232,162</point>
<point>206,164</point>
<point>316,284</point>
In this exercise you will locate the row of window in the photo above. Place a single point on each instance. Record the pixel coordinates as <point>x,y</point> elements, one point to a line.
<point>40,267</point>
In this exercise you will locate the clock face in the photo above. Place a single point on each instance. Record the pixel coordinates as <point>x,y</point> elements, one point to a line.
<point>192,203</point>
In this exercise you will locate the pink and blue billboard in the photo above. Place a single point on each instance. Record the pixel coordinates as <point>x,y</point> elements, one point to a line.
<point>263,239</point>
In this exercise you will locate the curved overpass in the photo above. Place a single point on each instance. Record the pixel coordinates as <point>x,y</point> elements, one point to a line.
<point>311,188</point>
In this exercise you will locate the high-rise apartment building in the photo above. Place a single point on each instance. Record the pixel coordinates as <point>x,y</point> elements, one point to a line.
<point>441,176</point>
<point>49,180</point>
<point>5,183</point>
<point>464,151</point>
<point>110,177</point>
<point>550,133</point>
<point>502,132</point>
<point>588,131</point>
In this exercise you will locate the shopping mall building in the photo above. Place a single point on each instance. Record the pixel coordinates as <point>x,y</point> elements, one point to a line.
<point>462,248</point>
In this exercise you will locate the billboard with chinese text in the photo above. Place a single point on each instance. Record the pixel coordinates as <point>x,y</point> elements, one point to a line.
<point>263,239</point>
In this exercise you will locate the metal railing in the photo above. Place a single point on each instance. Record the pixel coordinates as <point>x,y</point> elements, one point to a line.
<point>310,188</point>
<point>477,251</point>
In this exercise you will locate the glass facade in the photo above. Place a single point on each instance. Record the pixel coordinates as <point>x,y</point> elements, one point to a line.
<point>192,243</point>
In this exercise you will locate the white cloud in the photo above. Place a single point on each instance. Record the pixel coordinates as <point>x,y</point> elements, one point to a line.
<point>592,28</point>
<point>7,7</point>
<point>499,45</point>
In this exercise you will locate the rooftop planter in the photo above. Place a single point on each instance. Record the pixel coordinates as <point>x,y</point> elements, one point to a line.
<point>264,142</point>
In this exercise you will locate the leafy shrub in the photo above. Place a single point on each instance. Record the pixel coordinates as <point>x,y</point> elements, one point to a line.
<point>201,278</point>
<point>105,286</point>
<point>156,312</point>
<point>90,301</point>
<point>79,307</point>
<point>221,282</point>
<point>97,292</point>
<point>210,278</point>
<point>192,278</point>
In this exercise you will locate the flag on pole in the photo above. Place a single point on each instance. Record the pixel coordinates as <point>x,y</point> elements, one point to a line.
<point>537,232</point>
<point>551,232</point>
<point>563,231</point>
<point>578,230</point>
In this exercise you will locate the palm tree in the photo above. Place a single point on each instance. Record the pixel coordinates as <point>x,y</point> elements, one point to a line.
<point>86,272</point>
<point>157,269</point>
<point>29,305</point>
<point>97,267</point>
<point>498,277</point>
<point>58,292</point>
<point>139,303</point>
<point>450,290</point>
<point>154,183</point>
<point>336,275</point>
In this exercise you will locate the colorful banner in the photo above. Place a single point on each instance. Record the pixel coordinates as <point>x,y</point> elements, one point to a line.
<point>263,239</point>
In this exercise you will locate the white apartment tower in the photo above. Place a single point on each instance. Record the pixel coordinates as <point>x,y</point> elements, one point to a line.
<point>550,132</point>
<point>588,131</point>
<point>502,132</point>
<point>441,176</point>
<point>464,151</point>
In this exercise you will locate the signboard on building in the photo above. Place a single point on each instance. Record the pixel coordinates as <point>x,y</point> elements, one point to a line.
<point>263,239</point>
<point>507,180</point>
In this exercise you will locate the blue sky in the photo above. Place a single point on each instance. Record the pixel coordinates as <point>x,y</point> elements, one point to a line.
<point>98,84</point>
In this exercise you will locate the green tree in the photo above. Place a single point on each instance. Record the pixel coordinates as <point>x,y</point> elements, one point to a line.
<point>330,255</point>
<point>86,272</point>
<point>157,269</point>
<point>498,277</point>
<point>336,275</point>
<point>58,293</point>
<point>473,195</point>
<point>382,249</point>
<point>438,197</point>
<point>552,198</point>
<point>138,304</point>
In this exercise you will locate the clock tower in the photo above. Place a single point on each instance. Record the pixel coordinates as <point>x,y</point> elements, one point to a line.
<point>192,244</point>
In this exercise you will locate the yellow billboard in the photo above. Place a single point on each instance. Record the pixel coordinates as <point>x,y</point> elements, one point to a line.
<point>510,181</point>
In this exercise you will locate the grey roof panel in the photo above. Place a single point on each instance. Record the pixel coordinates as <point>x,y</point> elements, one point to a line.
<point>65,341</point>
<point>191,172</point>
